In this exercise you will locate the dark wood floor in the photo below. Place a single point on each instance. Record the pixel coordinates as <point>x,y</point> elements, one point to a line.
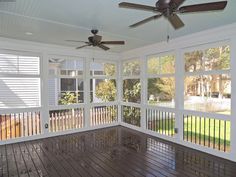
<point>108,152</point>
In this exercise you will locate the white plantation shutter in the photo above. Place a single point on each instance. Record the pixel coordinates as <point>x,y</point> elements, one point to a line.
<point>19,92</point>
<point>14,64</point>
<point>19,81</point>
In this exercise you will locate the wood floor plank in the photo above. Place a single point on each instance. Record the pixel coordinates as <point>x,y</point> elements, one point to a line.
<point>32,171</point>
<point>12,167</point>
<point>37,156</point>
<point>117,152</point>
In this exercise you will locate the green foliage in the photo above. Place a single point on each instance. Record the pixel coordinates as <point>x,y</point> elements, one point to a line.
<point>131,115</point>
<point>67,98</point>
<point>106,90</point>
<point>109,69</point>
<point>131,90</point>
<point>131,68</point>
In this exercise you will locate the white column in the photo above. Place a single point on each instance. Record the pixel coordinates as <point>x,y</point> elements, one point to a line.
<point>179,93</point>
<point>87,93</point>
<point>143,80</point>
<point>233,98</point>
<point>119,83</point>
<point>44,94</point>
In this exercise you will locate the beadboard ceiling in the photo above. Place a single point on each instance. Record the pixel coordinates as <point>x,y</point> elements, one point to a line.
<point>54,21</point>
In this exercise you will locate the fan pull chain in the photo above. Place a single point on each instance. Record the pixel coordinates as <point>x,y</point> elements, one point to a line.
<point>168,33</point>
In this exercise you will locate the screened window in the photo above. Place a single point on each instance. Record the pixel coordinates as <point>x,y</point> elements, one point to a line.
<point>161,80</point>
<point>131,71</point>
<point>102,69</point>
<point>161,65</point>
<point>102,82</point>
<point>66,84</point>
<point>217,58</point>
<point>131,68</point>
<point>205,91</point>
<point>19,81</point>
<point>132,90</point>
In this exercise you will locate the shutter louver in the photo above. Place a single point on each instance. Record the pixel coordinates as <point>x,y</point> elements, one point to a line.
<point>13,64</point>
<point>16,89</point>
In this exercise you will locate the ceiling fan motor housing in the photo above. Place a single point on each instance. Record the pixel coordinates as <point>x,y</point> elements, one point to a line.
<point>162,4</point>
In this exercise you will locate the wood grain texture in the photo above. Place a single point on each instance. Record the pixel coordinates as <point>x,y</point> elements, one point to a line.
<point>116,151</point>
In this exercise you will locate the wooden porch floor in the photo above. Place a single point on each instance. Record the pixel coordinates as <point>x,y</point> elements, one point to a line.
<point>108,152</point>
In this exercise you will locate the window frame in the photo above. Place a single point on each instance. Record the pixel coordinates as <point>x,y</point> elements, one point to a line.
<point>186,74</point>
<point>159,75</point>
<point>58,78</point>
<point>102,77</point>
<point>124,77</point>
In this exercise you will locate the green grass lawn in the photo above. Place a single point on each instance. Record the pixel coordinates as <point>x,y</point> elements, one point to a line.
<point>198,130</point>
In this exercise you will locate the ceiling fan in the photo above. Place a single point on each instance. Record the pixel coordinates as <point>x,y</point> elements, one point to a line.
<point>170,9</point>
<point>96,41</point>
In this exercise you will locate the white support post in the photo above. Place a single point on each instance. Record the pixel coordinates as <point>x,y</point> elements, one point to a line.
<point>233,98</point>
<point>179,94</point>
<point>119,90</point>
<point>143,80</point>
<point>44,94</point>
<point>87,93</point>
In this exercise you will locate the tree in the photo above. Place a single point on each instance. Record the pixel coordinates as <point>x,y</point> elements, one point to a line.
<point>67,98</point>
<point>106,90</point>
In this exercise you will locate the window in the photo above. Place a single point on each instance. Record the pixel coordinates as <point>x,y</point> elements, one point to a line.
<point>161,65</point>
<point>131,68</point>
<point>19,81</point>
<point>131,90</point>
<point>161,80</point>
<point>217,58</point>
<point>131,81</point>
<point>206,91</point>
<point>102,82</point>
<point>102,69</point>
<point>66,84</point>
<point>102,90</point>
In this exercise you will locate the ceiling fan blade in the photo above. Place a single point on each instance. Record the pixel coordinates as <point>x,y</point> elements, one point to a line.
<point>103,47</point>
<point>176,3</point>
<point>145,20</point>
<point>137,6</point>
<point>75,41</point>
<point>203,7</point>
<point>113,42</point>
<point>83,46</point>
<point>175,21</point>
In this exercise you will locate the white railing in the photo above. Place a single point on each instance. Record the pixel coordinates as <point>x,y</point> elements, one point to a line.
<point>101,115</point>
<point>19,124</point>
<point>66,119</point>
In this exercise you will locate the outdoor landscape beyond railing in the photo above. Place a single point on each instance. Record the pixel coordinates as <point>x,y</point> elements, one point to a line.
<point>213,133</point>
<point>19,125</point>
<point>100,115</point>
<point>67,119</point>
<point>131,115</point>
<point>160,121</point>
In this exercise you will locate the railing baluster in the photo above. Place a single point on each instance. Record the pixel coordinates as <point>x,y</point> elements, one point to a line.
<point>219,135</point>
<point>209,131</point>
<point>187,127</point>
<point>214,133</point>
<point>224,136</point>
